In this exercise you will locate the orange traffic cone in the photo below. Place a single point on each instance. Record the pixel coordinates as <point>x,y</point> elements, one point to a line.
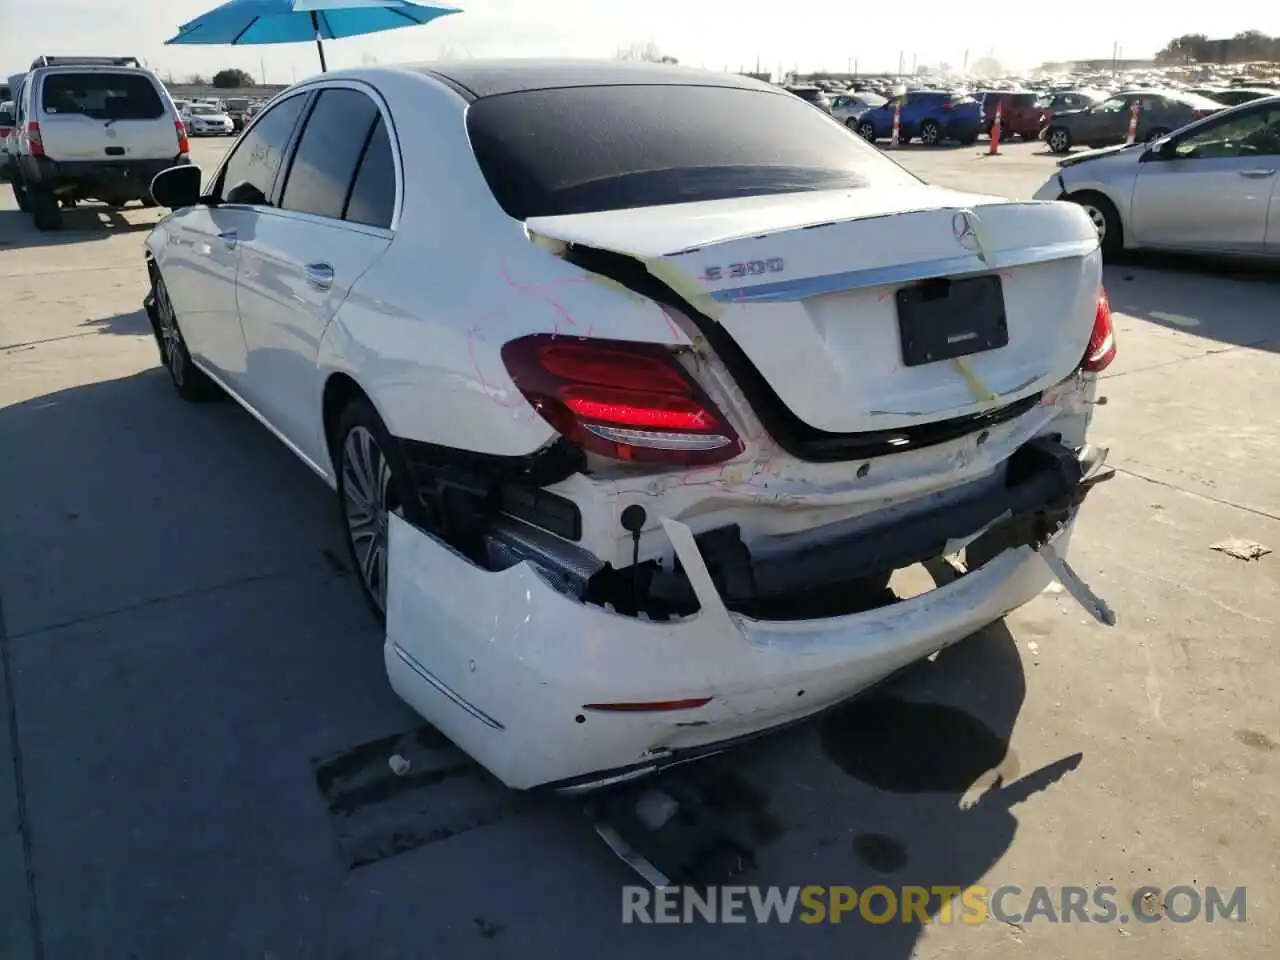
<point>995,130</point>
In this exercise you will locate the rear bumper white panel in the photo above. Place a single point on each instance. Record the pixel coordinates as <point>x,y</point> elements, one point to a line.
<point>503,664</point>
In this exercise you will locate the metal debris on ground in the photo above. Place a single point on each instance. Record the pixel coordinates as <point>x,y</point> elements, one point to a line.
<point>1241,549</point>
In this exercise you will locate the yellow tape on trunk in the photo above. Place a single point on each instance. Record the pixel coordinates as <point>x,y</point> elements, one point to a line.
<point>973,381</point>
<point>676,279</point>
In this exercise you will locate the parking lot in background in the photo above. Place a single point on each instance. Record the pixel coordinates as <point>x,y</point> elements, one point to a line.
<point>187,654</point>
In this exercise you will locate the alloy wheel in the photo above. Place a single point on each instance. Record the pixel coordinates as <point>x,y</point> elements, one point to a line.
<point>868,132</point>
<point>368,501</point>
<point>929,134</point>
<point>1098,218</point>
<point>170,336</point>
<point>1058,142</point>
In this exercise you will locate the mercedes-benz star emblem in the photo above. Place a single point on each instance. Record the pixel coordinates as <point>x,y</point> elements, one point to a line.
<point>964,231</point>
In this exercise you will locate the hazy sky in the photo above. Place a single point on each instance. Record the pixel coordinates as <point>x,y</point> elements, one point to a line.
<point>715,33</point>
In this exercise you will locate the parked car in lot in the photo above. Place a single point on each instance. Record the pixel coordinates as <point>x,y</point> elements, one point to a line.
<point>203,120</point>
<point>814,95</point>
<point>1061,101</point>
<point>929,115</point>
<point>848,107</point>
<point>1019,113</point>
<point>634,383</point>
<point>1233,96</point>
<point>91,128</point>
<point>6,134</point>
<point>1160,112</point>
<point>1211,187</point>
<point>237,109</point>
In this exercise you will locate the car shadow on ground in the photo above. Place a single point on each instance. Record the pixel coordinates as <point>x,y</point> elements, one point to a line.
<point>90,222</point>
<point>146,508</point>
<point>1232,302</point>
<point>134,323</point>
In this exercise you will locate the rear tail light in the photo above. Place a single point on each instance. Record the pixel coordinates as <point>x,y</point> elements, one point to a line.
<point>33,137</point>
<point>184,145</point>
<point>5,131</point>
<point>625,401</point>
<point>1102,342</point>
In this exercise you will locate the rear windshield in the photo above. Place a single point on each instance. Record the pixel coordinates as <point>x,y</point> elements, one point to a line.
<point>584,149</point>
<point>102,96</point>
<point>202,110</point>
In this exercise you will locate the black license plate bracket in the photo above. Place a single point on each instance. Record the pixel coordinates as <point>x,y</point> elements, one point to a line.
<point>942,319</point>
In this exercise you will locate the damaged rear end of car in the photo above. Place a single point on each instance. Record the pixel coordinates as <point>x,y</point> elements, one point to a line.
<point>852,382</point>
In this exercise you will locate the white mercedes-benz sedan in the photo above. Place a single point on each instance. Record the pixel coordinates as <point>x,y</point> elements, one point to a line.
<point>635,385</point>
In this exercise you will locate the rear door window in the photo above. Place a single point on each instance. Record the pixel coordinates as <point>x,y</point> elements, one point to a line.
<point>100,95</point>
<point>328,153</point>
<point>583,149</point>
<point>373,194</point>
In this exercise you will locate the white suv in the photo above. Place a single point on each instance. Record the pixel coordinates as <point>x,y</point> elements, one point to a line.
<point>91,128</point>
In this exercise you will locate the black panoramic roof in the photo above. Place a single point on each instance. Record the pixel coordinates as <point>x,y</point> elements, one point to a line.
<point>491,78</point>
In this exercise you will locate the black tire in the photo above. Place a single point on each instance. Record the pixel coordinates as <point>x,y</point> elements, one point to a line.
<point>1105,217</point>
<point>188,380</point>
<point>930,133</point>
<point>20,196</point>
<point>148,202</point>
<point>360,431</point>
<point>44,209</point>
<point>867,130</point>
<point>1058,139</point>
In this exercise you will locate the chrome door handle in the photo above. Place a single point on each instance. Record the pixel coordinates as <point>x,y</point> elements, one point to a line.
<point>229,238</point>
<point>1258,174</point>
<point>319,275</point>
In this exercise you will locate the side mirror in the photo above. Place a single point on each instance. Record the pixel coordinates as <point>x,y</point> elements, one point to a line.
<point>177,187</point>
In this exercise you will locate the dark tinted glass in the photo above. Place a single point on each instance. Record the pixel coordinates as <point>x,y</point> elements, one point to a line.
<point>373,196</point>
<point>251,171</point>
<point>102,96</point>
<point>582,149</point>
<point>6,118</point>
<point>1024,99</point>
<point>328,153</point>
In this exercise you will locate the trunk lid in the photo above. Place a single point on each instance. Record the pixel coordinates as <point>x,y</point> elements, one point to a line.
<point>812,288</point>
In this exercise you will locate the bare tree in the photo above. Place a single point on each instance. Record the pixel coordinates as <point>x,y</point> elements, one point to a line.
<point>198,80</point>
<point>649,52</point>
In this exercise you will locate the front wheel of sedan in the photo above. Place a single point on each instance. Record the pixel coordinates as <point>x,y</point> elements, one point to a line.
<point>371,484</point>
<point>1058,139</point>
<point>1106,220</point>
<point>188,379</point>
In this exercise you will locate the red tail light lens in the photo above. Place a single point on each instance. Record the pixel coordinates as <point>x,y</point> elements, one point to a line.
<point>5,131</point>
<point>1102,342</point>
<point>184,145</point>
<point>33,137</point>
<point>625,401</point>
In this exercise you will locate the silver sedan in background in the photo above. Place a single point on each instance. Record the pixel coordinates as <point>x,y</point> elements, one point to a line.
<point>1210,187</point>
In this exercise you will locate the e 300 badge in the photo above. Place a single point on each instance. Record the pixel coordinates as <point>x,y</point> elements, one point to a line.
<point>736,271</point>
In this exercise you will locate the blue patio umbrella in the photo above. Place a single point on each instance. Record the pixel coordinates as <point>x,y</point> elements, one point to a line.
<point>296,21</point>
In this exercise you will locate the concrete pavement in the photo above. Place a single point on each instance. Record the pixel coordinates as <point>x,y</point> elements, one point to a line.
<point>187,662</point>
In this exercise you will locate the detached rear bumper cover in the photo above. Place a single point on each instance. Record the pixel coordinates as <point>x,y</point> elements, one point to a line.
<point>502,663</point>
